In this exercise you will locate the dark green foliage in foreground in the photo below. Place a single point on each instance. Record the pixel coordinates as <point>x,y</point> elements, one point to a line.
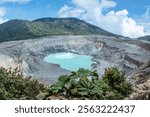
<point>86,84</point>
<point>14,86</point>
<point>83,84</point>
<point>116,80</point>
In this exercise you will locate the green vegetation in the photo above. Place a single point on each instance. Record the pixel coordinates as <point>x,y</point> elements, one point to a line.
<point>23,29</point>
<point>14,86</point>
<point>117,82</point>
<point>85,84</point>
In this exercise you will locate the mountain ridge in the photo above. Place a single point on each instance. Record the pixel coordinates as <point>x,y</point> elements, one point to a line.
<point>146,38</point>
<point>23,29</point>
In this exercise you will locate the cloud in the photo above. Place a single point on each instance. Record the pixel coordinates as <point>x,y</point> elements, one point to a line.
<point>67,11</point>
<point>15,1</point>
<point>92,11</point>
<point>2,13</point>
<point>3,10</point>
<point>144,20</point>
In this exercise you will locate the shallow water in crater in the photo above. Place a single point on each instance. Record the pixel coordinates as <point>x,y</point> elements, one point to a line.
<point>70,61</point>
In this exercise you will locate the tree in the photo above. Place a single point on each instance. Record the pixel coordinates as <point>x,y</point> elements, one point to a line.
<point>14,86</point>
<point>116,80</point>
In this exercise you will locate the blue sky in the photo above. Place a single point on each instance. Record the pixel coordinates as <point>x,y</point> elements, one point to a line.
<point>124,13</point>
<point>49,8</point>
<point>33,9</point>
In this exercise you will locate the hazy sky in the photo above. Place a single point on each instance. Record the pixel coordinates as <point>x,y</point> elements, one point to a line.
<point>125,17</point>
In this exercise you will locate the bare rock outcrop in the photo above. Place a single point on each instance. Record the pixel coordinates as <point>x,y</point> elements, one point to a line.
<point>141,82</point>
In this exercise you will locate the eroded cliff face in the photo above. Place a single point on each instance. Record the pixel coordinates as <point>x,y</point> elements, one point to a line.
<point>141,83</point>
<point>126,54</point>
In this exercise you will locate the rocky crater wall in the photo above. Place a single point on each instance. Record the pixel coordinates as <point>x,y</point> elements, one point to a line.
<point>126,54</point>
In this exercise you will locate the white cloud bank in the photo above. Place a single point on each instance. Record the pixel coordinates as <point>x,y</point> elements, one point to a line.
<point>15,1</point>
<point>2,13</point>
<point>144,20</point>
<point>91,11</point>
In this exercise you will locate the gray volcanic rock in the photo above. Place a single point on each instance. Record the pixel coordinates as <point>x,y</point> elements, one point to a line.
<point>146,38</point>
<point>141,82</point>
<point>126,54</point>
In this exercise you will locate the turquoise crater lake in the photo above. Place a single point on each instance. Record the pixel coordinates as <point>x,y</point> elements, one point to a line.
<point>70,61</point>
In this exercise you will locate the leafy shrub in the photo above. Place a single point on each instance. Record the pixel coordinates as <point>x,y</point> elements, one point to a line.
<point>116,80</point>
<point>86,84</point>
<point>14,86</point>
<point>78,84</point>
